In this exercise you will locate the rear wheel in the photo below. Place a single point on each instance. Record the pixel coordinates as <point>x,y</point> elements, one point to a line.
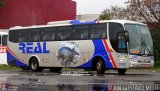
<point>55,69</point>
<point>100,68</point>
<point>121,71</point>
<point>34,65</point>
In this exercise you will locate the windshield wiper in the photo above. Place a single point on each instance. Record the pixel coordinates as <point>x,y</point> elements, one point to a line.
<point>147,47</point>
<point>144,46</point>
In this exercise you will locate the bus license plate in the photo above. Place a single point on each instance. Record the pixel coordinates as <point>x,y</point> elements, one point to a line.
<point>145,65</point>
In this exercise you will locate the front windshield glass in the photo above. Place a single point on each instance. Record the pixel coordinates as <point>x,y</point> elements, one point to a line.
<point>140,39</point>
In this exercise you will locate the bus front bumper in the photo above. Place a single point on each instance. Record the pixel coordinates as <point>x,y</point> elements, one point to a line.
<point>141,65</point>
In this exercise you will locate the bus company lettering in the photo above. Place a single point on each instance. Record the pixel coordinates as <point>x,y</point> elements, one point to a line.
<point>29,48</point>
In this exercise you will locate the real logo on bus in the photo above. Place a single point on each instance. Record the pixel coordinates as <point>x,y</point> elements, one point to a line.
<point>36,48</point>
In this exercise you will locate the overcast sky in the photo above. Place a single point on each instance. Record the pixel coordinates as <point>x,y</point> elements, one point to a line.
<point>96,6</point>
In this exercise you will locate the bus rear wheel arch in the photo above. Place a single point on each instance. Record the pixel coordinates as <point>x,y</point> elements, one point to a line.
<point>34,65</point>
<point>98,65</point>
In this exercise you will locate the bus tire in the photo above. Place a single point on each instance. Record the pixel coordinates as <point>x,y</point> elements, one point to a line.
<point>34,65</point>
<point>100,68</point>
<point>121,71</point>
<point>55,69</point>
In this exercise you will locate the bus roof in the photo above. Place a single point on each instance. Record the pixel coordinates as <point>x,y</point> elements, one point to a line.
<point>3,33</point>
<point>74,22</point>
<point>122,22</point>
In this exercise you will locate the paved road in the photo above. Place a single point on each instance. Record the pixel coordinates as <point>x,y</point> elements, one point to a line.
<point>74,81</point>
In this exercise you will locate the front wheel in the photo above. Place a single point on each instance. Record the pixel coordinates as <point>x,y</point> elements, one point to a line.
<point>121,71</point>
<point>34,65</point>
<point>100,66</point>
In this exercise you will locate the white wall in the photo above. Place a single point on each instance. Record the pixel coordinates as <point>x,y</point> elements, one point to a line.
<point>87,17</point>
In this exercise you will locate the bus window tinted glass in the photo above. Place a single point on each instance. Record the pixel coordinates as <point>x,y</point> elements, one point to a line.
<point>114,28</point>
<point>63,33</point>
<point>4,40</point>
<point>49,34</point>
<point>22,36</point>
<point>0,39</point>
<point>12,35</point>
<point>81,32</point>
<point>17,36</point>
<point>98,31</point>
<point>34,35</point>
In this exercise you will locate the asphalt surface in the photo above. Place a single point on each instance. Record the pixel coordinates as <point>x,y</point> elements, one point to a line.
<point>79,81</point>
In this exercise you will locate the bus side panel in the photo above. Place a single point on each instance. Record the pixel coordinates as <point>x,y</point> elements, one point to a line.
<point>67,53</point>
<point>13,60</point>
<point>99,51</point>
<point>14,56</point>
<point>3,55</point>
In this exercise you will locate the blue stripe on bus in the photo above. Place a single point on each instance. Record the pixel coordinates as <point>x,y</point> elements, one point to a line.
<point>82,23</point>
<point>12,60</point>
<point>75,21</point>
<point>99,51</point>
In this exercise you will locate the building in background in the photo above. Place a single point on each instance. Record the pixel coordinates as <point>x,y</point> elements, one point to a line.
<point>35,12</point>
<point>87,17</point>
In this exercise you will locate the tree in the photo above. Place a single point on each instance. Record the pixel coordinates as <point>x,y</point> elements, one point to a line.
<point>104,16</point>
<point>115,12</point>
<point>145,10</point>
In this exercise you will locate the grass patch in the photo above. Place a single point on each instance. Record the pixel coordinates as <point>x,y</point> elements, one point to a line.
<point>7,67</point>
<point>157,65</point>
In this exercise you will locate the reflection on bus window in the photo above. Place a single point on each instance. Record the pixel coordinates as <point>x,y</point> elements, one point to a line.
<point>49,34</point>
<point>81,32</point>
<point>34,35</point>
<point>64,33</point>
<point>98,31</point>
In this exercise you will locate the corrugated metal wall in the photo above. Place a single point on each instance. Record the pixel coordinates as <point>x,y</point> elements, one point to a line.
<point>35,12</point>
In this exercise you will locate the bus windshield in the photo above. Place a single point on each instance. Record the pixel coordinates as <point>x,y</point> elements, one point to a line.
<point>140,40</point>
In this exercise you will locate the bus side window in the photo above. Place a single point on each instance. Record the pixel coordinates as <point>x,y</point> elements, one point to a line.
<point>0,40</point>
<point>4,40</point>
<point>81,32</point>
<point>64,33</point>
<point>49,34</point>
<point>22,36</point>
<point>34,35</point>
<point>12,35</point>
<point>98,31</point>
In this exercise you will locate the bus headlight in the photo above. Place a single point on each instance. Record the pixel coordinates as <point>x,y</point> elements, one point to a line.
<point>123,59</point>
<point>152,61</point>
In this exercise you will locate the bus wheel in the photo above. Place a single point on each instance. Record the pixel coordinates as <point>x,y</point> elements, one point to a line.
<point>121,71</point>
<point>100,66</point>
<point>34,65</point>
<point>55,69</point>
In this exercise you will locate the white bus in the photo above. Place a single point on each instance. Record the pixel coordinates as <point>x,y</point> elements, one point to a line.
<point>3,48</point>
<point>102,45</point>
